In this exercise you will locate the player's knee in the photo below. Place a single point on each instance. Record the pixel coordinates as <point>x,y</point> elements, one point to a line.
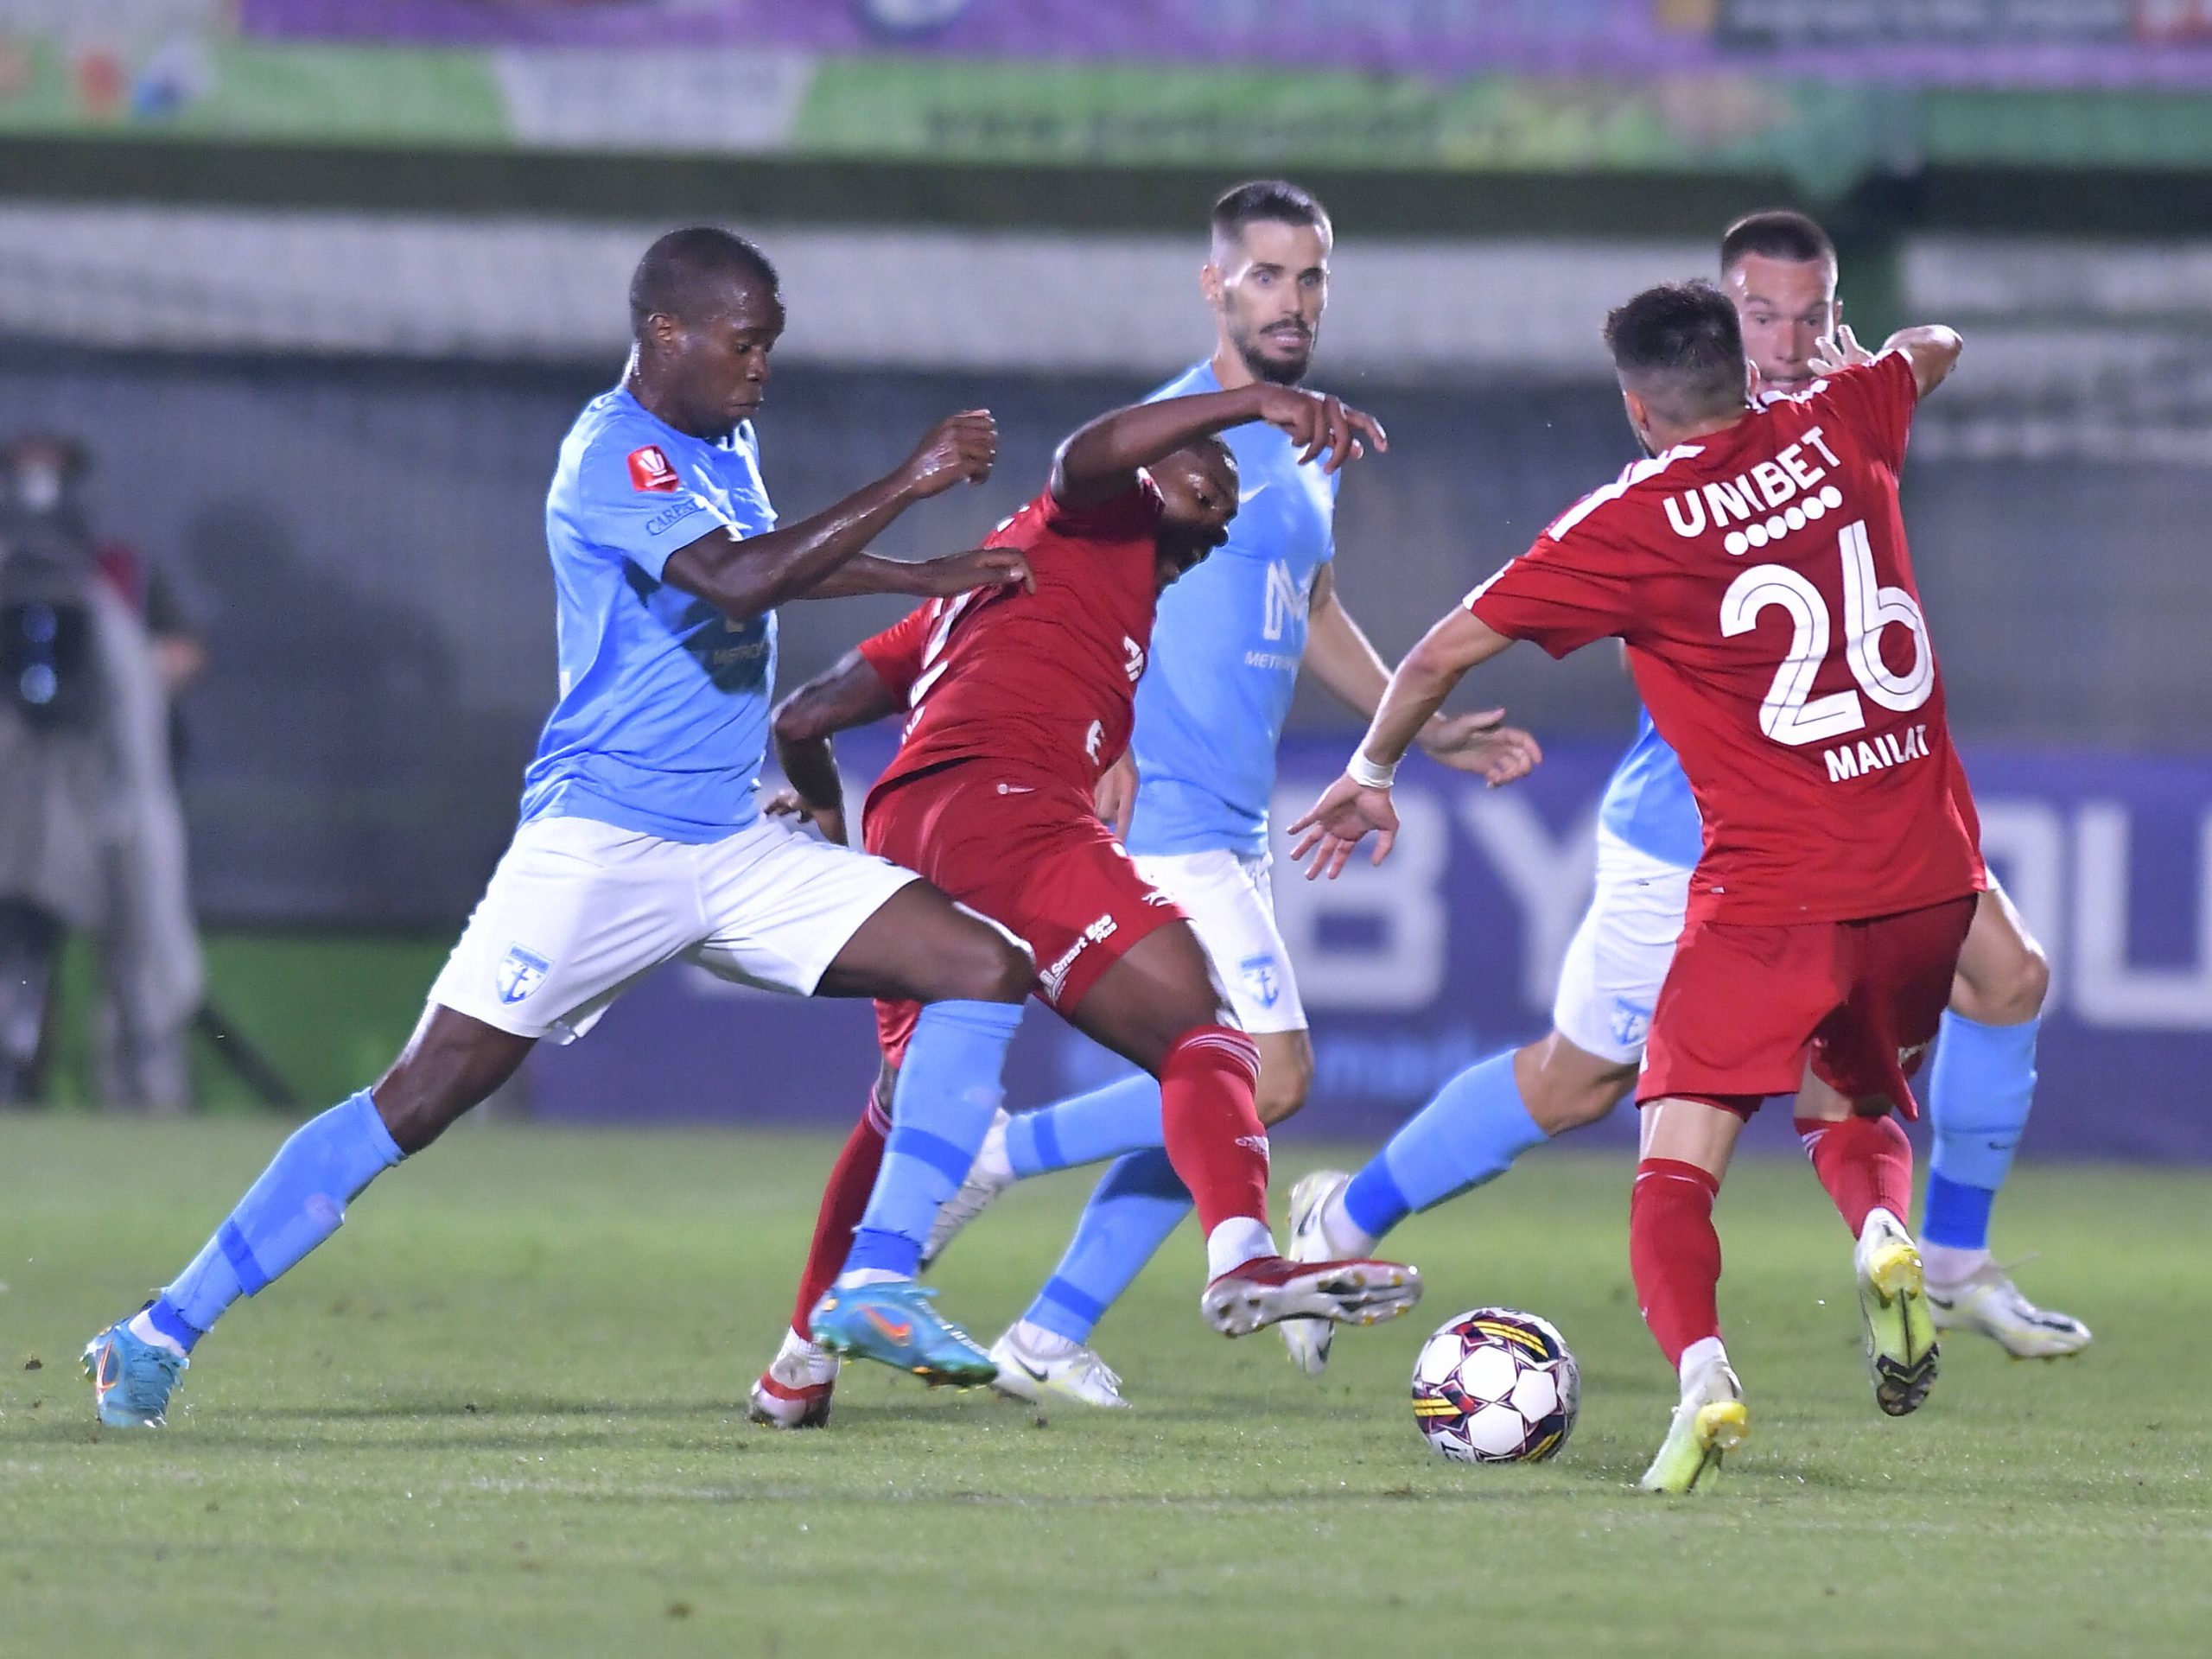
<point>2008,992</point>
<point>986,965</point>
<point>1285,1078</point>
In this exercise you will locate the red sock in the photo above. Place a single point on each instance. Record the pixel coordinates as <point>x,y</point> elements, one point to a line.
<point>1213,1132</point>
<point>1674,1252</point>
<point>1864,1162</point>
<point>852,1178</point>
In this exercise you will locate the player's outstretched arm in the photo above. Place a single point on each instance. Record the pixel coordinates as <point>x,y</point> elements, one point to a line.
<point>746,578</point>
<point>1339,656</point>
<point>1932,350</point>
<point>1360,800</point>
<point>1101,459</point>
<point>940,578</point>
<point>850,694</point>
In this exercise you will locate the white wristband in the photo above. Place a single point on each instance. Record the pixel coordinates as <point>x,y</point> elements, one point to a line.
<point>1366,774</point>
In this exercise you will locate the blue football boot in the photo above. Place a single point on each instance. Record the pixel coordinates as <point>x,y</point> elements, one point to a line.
<point>893,1323</point>
<point>131,1378</point>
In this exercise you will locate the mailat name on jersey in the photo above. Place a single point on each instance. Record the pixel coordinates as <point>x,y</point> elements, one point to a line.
<point>1765,502</point>
<point>1873,753</point>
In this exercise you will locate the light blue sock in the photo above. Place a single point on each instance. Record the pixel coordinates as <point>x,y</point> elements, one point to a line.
<point>1979,1093</point>
<point>1121,1117</point>
<point>1137,1205</point>
<point>299,1201</point>
<point>950,1086</point>
<point>1469,1133</point>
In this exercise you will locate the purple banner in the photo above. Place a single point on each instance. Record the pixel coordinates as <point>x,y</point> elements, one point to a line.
<point>1450,951</point>
<point>2145,43</point>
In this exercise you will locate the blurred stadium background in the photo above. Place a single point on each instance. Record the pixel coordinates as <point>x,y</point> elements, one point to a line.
<point>320,282</point>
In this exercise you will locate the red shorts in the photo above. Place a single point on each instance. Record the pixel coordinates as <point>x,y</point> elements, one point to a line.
<point>1744,1006</point>
<point>1033,856</point>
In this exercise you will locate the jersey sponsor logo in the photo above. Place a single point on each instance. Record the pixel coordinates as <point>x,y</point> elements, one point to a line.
<point>1262,976</point>
<point>1764,501</point>
<point>520,973</point>
<point>675,513</point>
<point>650,470</point>
<point>1848,760</point>
<point>1286,601</point>
<point>1097,933</point>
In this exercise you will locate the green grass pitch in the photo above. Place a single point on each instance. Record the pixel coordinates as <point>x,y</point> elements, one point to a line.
<point>501,1413</point>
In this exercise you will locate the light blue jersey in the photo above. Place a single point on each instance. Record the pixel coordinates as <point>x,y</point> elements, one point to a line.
<point>664,713</point>
<point>1225,651</point>
<point>1648,802</point>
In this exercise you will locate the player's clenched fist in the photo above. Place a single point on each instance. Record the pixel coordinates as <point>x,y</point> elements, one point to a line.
<point>1344,815</point>
<point>958,450</point>
<point>1319,425</point>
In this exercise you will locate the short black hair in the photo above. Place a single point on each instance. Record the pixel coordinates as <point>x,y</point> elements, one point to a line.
<point>1679,346</point>
<point>1776,233</point>
<point>1275,200</point>
<point>682,274</point>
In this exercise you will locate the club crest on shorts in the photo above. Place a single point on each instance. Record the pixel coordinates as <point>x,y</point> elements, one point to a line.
<point>1631,1024</point>
<point>1262,978</point>
<point>521,972</point>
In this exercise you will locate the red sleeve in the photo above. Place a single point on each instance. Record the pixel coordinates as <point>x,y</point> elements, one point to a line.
<point>1132,513</point>
<point>1564,593</point>
<point>896,653</point>
<point>1877,400</point>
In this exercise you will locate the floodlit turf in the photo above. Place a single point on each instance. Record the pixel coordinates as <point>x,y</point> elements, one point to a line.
<point>501,1413</point>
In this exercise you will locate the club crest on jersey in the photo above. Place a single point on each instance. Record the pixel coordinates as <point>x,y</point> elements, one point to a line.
<point>521,972</point>
<point>1631,1024</point>
<point>650,470</point>
<point>1262,978</point>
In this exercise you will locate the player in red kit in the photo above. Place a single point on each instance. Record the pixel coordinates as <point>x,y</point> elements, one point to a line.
<point>1017,708</point>
<point>1756,567</point>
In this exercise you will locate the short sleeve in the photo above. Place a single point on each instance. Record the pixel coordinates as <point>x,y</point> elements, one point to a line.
<point>636,501</point>
<point>1563,594</point>
<point>896,653</point>
<point>1877,400</point>
<point>1132,513</point>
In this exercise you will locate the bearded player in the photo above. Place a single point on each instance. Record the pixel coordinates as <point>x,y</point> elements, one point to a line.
<point>1191,797</point>
<point>1018,706</point>
<point>1756,567</point>
<point>1779,270</point>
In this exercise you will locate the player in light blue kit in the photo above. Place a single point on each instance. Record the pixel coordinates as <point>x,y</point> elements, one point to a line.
<point>1779,268</point>
<point>642,840</point>
<point>1226,651</point>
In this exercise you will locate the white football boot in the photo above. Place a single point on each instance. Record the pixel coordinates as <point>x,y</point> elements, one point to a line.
<point>1901,1350</point>
<point>1309,1340</point>
<point>1044,1369</point>
<point>987,1176</point>
<point>1710,1422</point>
<point>1988,1303</point>
<point>794,1391</point>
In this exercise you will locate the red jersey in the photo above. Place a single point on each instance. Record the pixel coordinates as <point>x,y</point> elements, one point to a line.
<point>1761,581</point>
<point>1046,682</point>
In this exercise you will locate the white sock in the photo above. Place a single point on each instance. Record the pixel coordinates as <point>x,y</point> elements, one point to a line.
<point>1345,1235</point>
<point>141,1326</point>
<point>1044,1345</point>
<point>992,1164</point>
<point>1236,1241</point>
<point>859,1278</point>
<point>1878,1216</point>
<point>1698,1355</point>
<point>1947,1264</point>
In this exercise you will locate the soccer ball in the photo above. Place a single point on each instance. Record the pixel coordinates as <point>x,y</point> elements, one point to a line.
<point>1496,1386</point>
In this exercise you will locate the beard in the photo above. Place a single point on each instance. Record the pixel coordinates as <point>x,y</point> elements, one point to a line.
<point>1274,371</point>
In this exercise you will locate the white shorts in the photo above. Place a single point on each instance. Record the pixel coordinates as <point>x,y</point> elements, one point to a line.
<point>578,909</point>
<point>1231,902</point>
<point>1618,958</point>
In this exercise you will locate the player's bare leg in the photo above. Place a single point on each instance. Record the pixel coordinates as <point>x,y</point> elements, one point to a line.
<point>1980,1088</point>
<point>1159,1006</point>
<point>1860,1154</point>
<point>1674,1255</point>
